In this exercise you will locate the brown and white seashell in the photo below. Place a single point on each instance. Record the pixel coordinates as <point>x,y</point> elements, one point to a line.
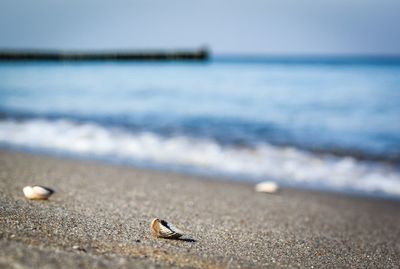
<point>162,229</point>
<point>37,192</point>
<point>267,186</point>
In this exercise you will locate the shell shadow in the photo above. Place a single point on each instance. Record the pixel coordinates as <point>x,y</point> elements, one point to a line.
<point>190,240</point>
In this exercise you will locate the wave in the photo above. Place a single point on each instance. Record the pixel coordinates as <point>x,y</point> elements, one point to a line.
<point>288,165</point>
<point>229,132</point>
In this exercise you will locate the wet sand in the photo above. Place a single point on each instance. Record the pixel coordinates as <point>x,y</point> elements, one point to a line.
<point>100,214</point>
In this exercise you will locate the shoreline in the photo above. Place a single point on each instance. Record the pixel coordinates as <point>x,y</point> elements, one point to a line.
<point>201,175</point>
<point>100,213</point>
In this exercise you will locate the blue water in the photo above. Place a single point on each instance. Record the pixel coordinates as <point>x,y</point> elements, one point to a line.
<point>320,124</point>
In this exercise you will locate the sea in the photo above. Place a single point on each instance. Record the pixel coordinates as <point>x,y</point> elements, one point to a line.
<point>330,124</point>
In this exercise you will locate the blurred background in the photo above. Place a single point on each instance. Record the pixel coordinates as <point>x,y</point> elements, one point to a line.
<point>305,93</point>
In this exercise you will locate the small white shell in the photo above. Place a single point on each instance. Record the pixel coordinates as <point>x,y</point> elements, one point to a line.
<point>267,186</point>
<point>162,229</point>
<point>37,192</point>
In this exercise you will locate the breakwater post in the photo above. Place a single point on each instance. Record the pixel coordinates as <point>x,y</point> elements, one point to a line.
<point>47,55</point>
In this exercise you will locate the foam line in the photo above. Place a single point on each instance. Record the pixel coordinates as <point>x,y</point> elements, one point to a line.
<point>285,164</point>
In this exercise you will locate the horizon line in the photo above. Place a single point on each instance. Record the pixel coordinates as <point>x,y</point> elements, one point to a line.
<point>199,53</point>
<point>197,49</point>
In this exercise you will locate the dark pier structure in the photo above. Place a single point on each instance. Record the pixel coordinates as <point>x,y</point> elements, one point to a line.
<point>47,55</point>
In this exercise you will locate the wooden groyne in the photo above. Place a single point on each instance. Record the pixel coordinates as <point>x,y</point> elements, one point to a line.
<point>40,55</point>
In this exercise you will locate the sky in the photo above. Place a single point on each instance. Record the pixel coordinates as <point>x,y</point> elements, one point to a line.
<point>280,27</point>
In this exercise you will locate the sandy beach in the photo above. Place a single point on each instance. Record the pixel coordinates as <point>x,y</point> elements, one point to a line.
<point>100,214</point>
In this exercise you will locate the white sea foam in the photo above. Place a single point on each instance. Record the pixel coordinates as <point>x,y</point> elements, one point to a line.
<point>284,164</point>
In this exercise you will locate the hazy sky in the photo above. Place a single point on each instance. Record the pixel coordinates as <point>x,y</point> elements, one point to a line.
<point>226,26</point>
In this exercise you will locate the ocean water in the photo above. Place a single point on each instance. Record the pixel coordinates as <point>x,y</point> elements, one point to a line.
<point>322,124</point>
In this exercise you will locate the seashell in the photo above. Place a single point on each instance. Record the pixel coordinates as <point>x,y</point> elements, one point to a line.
<point>267,186</point>
<point>162,229</point>
<point>37,192</point>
